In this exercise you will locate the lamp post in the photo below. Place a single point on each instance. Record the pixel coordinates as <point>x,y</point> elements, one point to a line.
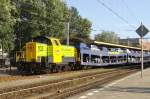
<point>68,34</point>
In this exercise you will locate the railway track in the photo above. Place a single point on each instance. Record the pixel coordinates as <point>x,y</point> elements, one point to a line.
<point>66,87</point>
<point>97,82</point>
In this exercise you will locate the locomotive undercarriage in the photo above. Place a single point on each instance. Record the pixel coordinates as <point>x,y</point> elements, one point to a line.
<point>36,68</point>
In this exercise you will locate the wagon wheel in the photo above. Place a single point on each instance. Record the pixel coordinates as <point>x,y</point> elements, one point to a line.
<point>72,66</point>
<point>53,69</point>
<point>85,67</point>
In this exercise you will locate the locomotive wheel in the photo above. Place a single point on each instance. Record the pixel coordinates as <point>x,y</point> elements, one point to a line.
<point>63,68</point>
<point>59,69</point>
<point>66,68</point>
<point>55,69</point>
<point>72,67</point>
<point>32,71</point>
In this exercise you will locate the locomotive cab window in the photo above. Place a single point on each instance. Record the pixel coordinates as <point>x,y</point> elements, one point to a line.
<point>56,42</point>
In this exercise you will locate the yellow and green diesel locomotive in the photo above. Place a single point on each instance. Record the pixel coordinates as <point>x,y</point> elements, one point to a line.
<point>46,53</point>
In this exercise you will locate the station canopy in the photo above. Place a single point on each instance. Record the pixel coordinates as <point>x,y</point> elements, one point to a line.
<point>110,45</point>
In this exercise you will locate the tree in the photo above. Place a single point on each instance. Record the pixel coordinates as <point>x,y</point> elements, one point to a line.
<point>107,36</point>
<point>79,27</point>
<point>48,17</point>
<point>7,22</point>
<point>40,17</point>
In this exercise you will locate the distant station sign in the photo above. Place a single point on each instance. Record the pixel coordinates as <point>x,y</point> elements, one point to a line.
<point>142,30</point>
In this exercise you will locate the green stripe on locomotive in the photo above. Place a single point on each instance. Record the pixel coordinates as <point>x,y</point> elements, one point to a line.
<point>68,51</point>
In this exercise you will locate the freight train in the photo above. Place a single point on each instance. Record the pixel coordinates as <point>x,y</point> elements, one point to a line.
<point>47,53</point>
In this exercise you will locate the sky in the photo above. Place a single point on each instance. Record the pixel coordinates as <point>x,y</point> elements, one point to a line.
<point>133,11</point>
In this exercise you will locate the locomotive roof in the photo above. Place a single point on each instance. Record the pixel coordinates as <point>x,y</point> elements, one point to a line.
<point>117,45</point>
<point>47,37</point>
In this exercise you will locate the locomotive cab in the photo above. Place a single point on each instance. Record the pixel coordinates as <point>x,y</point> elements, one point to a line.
<point>44,49</point>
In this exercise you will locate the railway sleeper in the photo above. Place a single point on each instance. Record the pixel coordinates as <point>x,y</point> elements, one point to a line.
<point>54,87</point>
<point>75,87</point>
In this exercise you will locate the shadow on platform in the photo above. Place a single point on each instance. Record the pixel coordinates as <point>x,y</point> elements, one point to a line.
<point>129,89</point>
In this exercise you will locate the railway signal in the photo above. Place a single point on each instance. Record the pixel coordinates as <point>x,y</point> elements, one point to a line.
<point>142,31</point>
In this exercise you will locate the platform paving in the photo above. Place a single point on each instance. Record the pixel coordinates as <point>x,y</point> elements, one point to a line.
<point>131,87</point>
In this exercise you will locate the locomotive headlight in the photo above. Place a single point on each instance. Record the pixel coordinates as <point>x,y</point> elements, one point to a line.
<point>57,52</point>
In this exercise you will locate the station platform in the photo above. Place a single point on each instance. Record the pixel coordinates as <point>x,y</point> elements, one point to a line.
<point>131,87</point>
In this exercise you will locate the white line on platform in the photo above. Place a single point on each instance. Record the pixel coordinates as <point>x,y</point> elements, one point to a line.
<point>111,84</point>
<point>96,91</point>
<point>100,89</point>
<point>117,81</point>
<point>90,94</point>
<point>83,97</point>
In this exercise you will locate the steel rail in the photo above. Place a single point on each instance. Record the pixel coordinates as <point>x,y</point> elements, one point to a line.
<point>53,87</point>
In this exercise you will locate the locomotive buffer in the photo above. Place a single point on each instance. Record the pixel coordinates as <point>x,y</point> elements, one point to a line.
<point>142,31</point>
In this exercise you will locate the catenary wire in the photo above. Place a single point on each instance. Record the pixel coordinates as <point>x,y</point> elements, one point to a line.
<point>115,13</point>
<point>130,11</point>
